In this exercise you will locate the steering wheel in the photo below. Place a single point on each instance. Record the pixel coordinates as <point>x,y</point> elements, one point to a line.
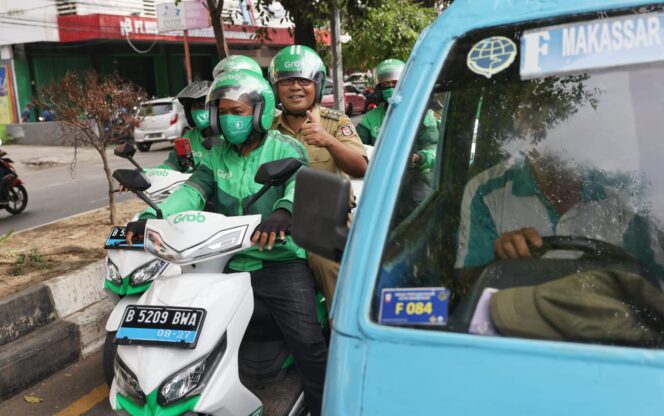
<point>590,247</point>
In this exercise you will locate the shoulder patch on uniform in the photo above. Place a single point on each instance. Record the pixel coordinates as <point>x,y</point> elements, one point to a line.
<point>346,130</point>
<point>332,114</point>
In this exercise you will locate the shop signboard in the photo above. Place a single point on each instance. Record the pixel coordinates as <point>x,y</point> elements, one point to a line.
<point>185,15</point>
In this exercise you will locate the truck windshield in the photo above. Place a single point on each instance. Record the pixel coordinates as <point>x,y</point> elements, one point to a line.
<point>540,205</point>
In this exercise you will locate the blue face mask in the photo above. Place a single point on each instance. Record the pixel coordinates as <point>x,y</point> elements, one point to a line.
<point>201,118</point>
<point>236,129</point>
<point>387,93</point>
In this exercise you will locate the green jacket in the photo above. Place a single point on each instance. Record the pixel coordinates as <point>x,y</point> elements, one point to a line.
<point>199,151</point>
<point>227,177</point>
<point>372,121</point>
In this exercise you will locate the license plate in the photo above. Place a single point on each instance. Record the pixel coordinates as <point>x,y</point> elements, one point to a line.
<point>159,325</point>
<point>117,240</point>
<point>414,306</point>
<point>154,135</point>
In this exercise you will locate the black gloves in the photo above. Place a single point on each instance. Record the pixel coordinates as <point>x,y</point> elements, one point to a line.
<point>135,230</point>
<point>280,220</point>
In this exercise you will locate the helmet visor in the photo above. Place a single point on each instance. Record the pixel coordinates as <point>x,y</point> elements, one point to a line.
<point>247,91</point>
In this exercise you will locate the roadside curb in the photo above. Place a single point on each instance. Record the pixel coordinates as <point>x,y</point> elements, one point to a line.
<point>49,326</point>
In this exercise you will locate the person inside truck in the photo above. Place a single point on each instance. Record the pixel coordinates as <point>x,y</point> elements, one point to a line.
<point>508,208</point>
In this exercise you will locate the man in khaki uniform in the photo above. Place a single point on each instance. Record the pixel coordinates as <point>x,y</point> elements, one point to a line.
<point>297,75</point>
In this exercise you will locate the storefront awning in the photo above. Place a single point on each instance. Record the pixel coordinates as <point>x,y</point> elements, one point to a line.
<point>77,28</point>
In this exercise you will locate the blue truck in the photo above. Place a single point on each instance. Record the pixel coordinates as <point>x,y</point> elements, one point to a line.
<point>521,270</point>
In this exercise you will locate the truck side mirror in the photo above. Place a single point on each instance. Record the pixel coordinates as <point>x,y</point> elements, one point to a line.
<point>320,212</point>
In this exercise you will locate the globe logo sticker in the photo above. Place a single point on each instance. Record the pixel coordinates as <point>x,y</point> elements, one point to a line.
<point>491,55</point>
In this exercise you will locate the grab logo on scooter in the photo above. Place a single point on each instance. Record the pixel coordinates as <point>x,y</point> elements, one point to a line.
<point>160,172</point>
<point>200,218</point>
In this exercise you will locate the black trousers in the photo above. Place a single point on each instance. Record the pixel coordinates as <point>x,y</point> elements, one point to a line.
<point>287,289</point>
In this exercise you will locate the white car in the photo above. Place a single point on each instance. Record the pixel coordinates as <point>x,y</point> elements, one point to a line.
<point>163,120</point>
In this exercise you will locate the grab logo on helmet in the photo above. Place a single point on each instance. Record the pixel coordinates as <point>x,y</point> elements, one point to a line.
<point>293,64</point>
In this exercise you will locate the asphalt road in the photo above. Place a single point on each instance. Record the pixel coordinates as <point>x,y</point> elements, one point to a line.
<point>57,192</point>
<point>77,390</point>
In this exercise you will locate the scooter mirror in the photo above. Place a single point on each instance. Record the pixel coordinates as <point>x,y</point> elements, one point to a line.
<point>125,150</point>
<point>211,141</point>
<point>131,179</point>
<point>277,172</point>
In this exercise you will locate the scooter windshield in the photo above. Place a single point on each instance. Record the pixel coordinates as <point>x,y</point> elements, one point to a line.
<point>539,161</point>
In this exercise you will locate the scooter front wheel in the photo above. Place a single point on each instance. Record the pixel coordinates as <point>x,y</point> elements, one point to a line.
<point>108,358</point>
<point>17,198</point>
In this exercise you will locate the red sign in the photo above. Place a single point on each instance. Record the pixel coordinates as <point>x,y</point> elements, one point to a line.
<point>103,26</point>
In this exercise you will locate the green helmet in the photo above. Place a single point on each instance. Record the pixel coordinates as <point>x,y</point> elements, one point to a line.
<point>233,62</point>
<point>245,86</point>
<point>298,61</point>
<point>389,70</point>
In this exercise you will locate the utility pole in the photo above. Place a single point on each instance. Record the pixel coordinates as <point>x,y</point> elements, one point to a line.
<point>337,66</point>
<point>187,56</point>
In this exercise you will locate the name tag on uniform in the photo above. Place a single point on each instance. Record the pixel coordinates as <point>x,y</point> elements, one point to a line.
<point>414,306</point>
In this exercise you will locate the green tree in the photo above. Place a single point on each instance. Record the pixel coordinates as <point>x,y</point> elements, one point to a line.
<point>389,30</point>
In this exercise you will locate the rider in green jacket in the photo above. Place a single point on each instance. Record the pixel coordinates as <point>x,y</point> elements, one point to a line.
<point>241,106</point>
<point>192,98</point>
<point>388,73</point>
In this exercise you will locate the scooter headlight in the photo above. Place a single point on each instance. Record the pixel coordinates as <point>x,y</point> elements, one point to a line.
<point>155,245</point>
<point>183,383</point>
<point>225,240</point>
<point>192,379</point>
<point>112,272</point>
<point>127,383</point>
<point>148,272</point>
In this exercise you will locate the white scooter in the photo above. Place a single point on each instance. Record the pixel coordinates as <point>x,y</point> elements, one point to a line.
<point>131,270</point>
<point>180,343</point>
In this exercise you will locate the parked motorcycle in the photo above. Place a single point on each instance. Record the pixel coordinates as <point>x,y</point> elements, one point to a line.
<point>184,344</point>
<point>15,197</point>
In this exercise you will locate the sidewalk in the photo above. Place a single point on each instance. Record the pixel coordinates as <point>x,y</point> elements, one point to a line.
<point>34,157</point>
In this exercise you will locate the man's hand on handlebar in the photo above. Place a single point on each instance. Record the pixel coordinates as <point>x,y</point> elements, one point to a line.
<point>135,231</point>
<point>516,244</point>
<point>279,223</point>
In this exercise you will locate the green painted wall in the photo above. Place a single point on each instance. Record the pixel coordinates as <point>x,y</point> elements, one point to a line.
<point>49,69</point>
<point>161,75</point>
<point>22,73</point>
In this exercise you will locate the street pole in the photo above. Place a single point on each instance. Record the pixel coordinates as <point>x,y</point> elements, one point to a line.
<point>187,57</point>
<point>337,66</point>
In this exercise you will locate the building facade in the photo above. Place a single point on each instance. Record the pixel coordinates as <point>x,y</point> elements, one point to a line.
<point>42,39</point>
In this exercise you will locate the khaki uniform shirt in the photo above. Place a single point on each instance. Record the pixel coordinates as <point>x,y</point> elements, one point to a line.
<point>335,123</point>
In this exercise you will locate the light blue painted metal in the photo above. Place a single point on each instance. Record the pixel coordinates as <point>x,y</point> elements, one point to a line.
<point>420,372</point>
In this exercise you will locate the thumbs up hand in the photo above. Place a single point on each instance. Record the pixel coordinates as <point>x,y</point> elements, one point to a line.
<point>313,132</point>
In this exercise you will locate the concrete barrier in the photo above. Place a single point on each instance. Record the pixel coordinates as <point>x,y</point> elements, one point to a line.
<point>48,327</point>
